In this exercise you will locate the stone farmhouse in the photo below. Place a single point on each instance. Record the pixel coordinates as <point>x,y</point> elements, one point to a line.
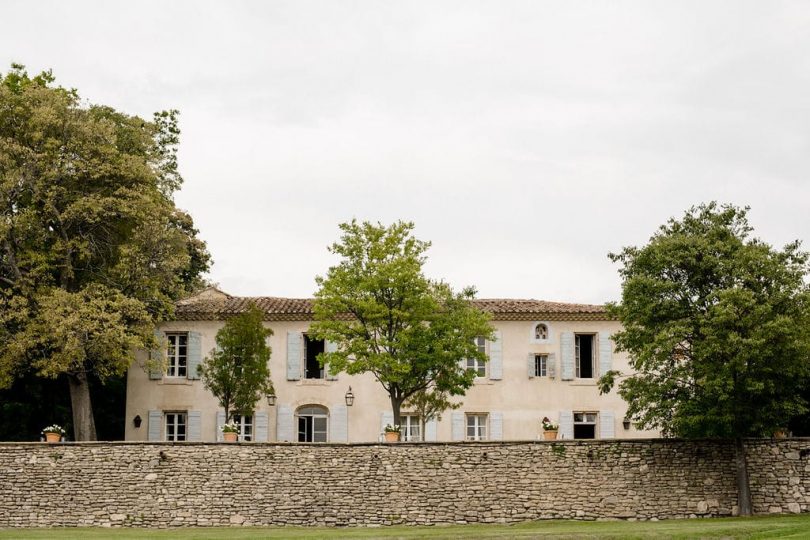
<point>544,363</point>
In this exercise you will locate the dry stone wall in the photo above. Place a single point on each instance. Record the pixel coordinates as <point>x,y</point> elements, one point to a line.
<point>198,484</point>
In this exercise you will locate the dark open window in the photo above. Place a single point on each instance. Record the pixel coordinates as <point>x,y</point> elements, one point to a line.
<point>584,352</point>
<point>584,425</point>
<point>312,424</point>
<point>313,347</point>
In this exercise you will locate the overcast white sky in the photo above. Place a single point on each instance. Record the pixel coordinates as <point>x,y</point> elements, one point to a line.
<point>526,140</point>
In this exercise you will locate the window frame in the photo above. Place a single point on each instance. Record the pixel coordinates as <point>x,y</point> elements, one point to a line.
<point>177,415</point>
<point>319,415</point>
<point>245,423</point>
<point>173,356</point>
<point>578,359</point>
<point>541,365</point>
<point>478,425</point>
<point>586,422</point>
<point>408,422</point>
<point>478,366</point>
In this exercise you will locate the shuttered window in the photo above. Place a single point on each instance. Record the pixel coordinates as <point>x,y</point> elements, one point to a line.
<point>540,365</point>
<point>476,427</point>
<point>475,365</point>
<point>245,424</point>
<point>177,354</point>
<point>175,426</point>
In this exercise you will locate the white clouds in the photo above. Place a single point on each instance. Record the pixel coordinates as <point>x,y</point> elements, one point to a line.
<point>525,139</point>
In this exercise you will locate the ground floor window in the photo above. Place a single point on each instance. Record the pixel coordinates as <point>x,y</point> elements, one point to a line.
<point>411,428</point>
<point>245,424</point>
<point>584,425</point>
<point>175,426</point>
<point>313,423</point>
<point>476,427</point>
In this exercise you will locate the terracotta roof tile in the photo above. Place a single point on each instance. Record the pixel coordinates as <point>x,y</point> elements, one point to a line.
<point>217,305</point>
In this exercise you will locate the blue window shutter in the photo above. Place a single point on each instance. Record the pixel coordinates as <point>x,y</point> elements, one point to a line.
<point>220,423</point>
<point>329,347</point>
<point>605,353</point>
<point>284,424</point>
<point>339,424</point>
<point>261,424</point>
<point>457,421</point>
<point>551,366</point>
<point>496,426</point>
<point>430,430</point>
<point>530,365</point>
<point>567,355</point>
<point>157,357</point>
<point>155,426</point>
<point>194,426</point>
<point>496,357</point>
<point>607,425</point>
<point>566,425</point>
<point>194,354</point>
<point>295,350</point>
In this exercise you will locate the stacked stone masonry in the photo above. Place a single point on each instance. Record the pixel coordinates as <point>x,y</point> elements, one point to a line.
<point>195,484</point>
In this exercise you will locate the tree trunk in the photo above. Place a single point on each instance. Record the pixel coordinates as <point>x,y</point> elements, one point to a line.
<point>84,427</point>
<point>396,404</point>
<point>743,488</point>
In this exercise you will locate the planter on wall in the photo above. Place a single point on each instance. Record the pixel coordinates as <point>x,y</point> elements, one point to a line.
<point>53,437</point>
<point>230,436</point>
<point>392,436</point>
<point>550,434</point>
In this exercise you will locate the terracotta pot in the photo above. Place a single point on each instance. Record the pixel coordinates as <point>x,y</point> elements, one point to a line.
<point>392,436</point>
<point>780,434</point>
<point>53,437</point>
<point>230,436</point>
<point>550,434</point>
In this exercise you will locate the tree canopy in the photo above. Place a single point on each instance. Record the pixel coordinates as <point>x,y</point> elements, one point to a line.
<point>386,318</point>
<point>93,250</point>
<point>237,371</point>
<point>717,327</point>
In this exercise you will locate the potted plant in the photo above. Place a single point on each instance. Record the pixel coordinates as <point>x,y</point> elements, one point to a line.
<point>230,432</point>
<point>549,429</point>
<point>53,433</point>
<point>391,433</point>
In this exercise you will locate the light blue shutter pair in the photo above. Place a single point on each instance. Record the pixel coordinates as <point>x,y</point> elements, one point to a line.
<point>496,357</point>
<point>193,426</point>
<point>284,424</point>
<point>339,424</point>
<point>295,353</point>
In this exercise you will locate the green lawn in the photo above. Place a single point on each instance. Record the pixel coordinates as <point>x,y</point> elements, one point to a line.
<point>757,527</point>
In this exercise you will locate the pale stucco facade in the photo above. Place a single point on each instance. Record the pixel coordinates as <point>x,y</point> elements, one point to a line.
<point>509,400</point>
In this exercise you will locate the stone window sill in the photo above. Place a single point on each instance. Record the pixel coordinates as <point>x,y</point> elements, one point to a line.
<point>314,382</point>
<point>174,381</point>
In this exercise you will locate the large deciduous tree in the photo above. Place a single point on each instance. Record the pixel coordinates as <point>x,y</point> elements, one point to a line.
<point>717,327</point>
<point>386,318</point>
<point>237,371</point>
<point>93,250</point>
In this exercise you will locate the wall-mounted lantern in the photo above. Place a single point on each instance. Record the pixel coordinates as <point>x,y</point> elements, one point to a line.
<point>626,423</point>
<point>271,399</point>
<point>349,397</point>
<point>137,421</point>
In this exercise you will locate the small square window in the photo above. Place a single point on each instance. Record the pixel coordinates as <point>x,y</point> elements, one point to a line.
<point>477,427</point>
<point>540,365</point>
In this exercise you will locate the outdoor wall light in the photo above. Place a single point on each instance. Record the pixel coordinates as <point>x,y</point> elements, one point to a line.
<point>137,421</point>
<point>271,399</point>
<point>349,397</point>
<point>626,423</point>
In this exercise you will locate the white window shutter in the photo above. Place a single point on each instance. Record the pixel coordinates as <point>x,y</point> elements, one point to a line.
<point>194,419</point>
<point>261,425</point>
<point>530,365</point>
<point>295,351</point>
<point>220,423</point>
<point>551,366</point>
<point>339,424</point>
<point>605,353</point>
<point>329,347</point>
<point>567,355</point>
<point>194,354</point>
<point>566,424</point>
<point>496,357</point>
<point>430,430</point>
<point>284,424</point>
<point>496,426</point>
<point>457,420</point>
<point>155,426</point>
<point>386,419</point>
<point>607,425</point>
<point>157,356</point>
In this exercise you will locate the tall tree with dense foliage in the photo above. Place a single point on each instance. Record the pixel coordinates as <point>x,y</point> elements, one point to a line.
<point>386,318</point>
<point>93,250</point>
<point>717,327</point>
<point>237,370</point>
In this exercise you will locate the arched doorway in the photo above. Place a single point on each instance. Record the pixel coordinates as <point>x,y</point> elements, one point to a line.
<point>313,423</point>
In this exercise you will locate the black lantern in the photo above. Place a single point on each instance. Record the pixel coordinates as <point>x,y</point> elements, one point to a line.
<point>349,397</point>
<point>137,421</point>
<point>271,399</point>
<point>626,423</point>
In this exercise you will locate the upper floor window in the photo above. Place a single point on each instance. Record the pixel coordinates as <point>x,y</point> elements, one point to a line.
<point>475,365</point>
<point>410,428</point>
<point>540,365</point>
<point>476,427</point>
<point>177,354</point>
<point>312,348</point>
<point>245,424</point>
<point>175,426</point>
<point>584,354</point>
<point>541,332</point>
